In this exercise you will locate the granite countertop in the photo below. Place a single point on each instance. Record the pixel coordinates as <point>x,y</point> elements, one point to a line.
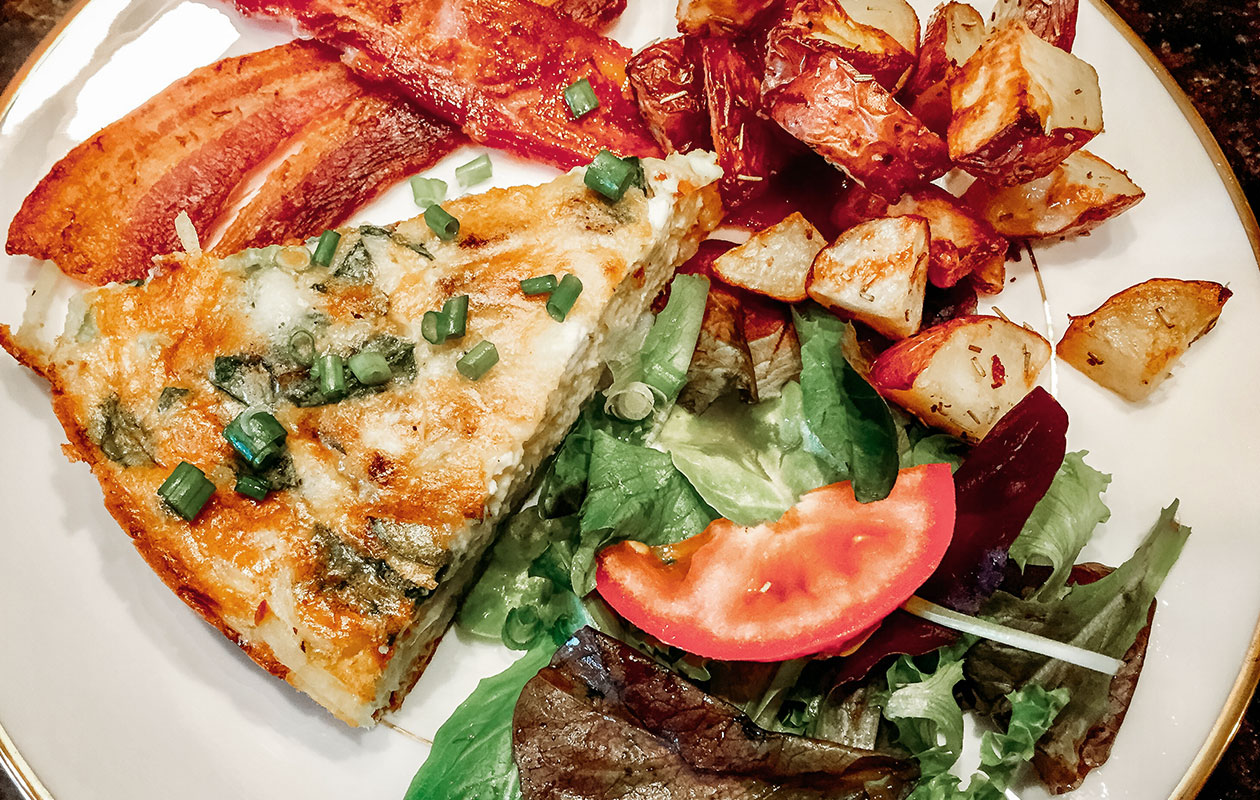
<point>1210,46</point>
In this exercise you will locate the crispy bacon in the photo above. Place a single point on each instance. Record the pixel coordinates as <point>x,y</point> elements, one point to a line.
<point>598,15</point>
<point>345,158</point>
<point>108,207</point>
<point>496,68</point>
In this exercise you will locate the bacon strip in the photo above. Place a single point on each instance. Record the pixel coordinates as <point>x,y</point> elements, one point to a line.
<point>346,158</point>
<point>108,207</point>
<point>496,68</point>
<point>598,15</point>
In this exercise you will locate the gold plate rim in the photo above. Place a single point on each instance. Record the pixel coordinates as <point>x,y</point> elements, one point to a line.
<point>1226,725</point>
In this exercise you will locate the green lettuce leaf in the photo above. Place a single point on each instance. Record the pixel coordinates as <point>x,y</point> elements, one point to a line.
<point>1105,616</point>
<point>516,599</point>
<point>667,350</point>
<point>852,425</point>
<point>1002,755</point>
<point>1062,522</point>
<point>635,493</point>
<point>921,704</point>
<point>471,757</point>
<point>748,462</point>
<point>563,486</point>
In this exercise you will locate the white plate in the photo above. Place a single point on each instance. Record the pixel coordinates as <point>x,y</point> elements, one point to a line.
<point>110,688</point>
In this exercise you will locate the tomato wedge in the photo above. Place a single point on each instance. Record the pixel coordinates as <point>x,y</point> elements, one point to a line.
<point>825,572</point>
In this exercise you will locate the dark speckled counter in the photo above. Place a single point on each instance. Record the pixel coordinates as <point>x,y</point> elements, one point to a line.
<point>1211,48</point>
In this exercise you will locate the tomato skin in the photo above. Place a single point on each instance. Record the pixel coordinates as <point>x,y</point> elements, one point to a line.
<point>825,572</point>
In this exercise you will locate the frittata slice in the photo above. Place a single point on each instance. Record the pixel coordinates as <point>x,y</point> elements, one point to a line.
<point>383,500</point>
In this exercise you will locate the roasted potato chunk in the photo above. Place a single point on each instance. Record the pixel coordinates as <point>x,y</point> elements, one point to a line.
<point>876,273</point>
<point>1129,343</point>
<point>879,38</point>
<point>1052,20</point>
<point>850,120</point>
<point>1077,196</point>
<point>775,261</point>
<point>720,17</point>
<point>962,242</point>
<point>964,375</point>
<point>772,343</point>
<point>1021,106</point>
<point>750,148</point>
<point>953,34</point>
<point>668,82</point>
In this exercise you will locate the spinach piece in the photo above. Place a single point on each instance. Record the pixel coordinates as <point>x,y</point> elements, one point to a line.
<point>471,757</point>
<point>852,423</point>
<point>356,266</point>
<point>170,397</point>
<point>120,435</point>
<point>245,378</point>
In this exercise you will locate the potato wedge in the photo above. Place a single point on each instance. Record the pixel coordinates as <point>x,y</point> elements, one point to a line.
<point>668,83</point>
<point>1078,195</point>
<point>850,120</point>
<point>720,17</point>
<point>1129,343</point>
<point>1021,106</point>
<point>964,375</point>
<point>1052,20</point>
<point>775,261</point>
<point>722,362</point>
<point>879,38</point>
<point>954,33</point>
<point>876,273</point>
<point>772,343</point>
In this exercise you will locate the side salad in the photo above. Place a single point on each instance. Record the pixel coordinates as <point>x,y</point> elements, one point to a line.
<point>663,518</point>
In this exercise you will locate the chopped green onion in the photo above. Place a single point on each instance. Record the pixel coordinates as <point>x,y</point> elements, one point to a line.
<point>302,347</point>
<point>562,299</point>
<point>580,98</point>
<point>540,285</point>
<point>252,486</point>
<point>427,191</point>
<point>328,241</point>
<point>433,327</point>
<point>332,376</point>
<point>478,361</point>
<point>443,225</point>
<point>370,369</point>
<point>475,171</point>
<point>609,175</point>
<point>186,490</point>
<point>455,315</point>
<point>256,435</point>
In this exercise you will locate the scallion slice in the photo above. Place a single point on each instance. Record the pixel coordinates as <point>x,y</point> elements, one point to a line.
<point>562,299</point>
<point>256,435</point>
<point>302,347</point>
<point>433,327</point>
<point>186,490</point>
<point>332,376</point>
<point>370,369</point>
<point>539,285</point>
<point>252,486</point>
<point>475,171</point>
<point>455,315</point>
<point>478,361</point>
<point>609,175</point>
<point>443,225</point>
<point>328,241</point>
<point>427,191</point>
<point>580,98</point>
